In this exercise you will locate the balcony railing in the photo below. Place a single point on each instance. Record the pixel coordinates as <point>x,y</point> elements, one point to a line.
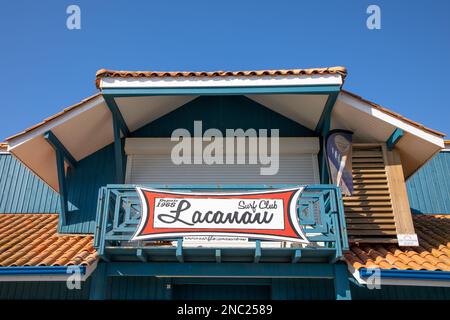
<point>320,212</point>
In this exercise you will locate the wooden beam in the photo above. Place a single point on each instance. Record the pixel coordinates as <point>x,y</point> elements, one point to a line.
<point>341,283</point>
<point>141,255</point>
<point>323,125</point>
<point>322,128</point>
<point>62,187</point>
<point>179,253</point>
<point>118,152</point>
<point>257,251</point>
<point>218,255</point>
<point>115,111</point>
<point>57,145</point>
<point>394,138</point>
<point>297,256</point>
<point>399,196</point>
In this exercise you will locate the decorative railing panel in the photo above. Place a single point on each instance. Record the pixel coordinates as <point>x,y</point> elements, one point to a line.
<point>320,212</point>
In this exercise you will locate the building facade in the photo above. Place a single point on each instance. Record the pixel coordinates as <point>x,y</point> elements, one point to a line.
<point>71,206</point>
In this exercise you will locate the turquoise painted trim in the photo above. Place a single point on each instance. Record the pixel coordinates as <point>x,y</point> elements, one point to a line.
<point>408,274</point>
<point>141,255</point>
<point>323,128</point>
<point>394,138</point>
<point>62,188</point>
<point>341,282</point>
<point>38,270</point>
<point>187,269</point>
<point>257,251</point>
<point>115,111</point>
<point>218,255</point>
<point>179,252</point>
<point>323,125</point>
<point>130,92</point>
<point>297,256</point>
<point>62,154</point>
<point>57,145</point>
<point>118,152</point>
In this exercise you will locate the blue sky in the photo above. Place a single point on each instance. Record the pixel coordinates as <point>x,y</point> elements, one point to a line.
<point>46,67</point>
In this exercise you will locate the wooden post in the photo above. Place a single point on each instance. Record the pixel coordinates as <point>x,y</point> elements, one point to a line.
<point>118,151</point>
<point>62,188</point>
<point>341,282</point>
<point>399,196</point>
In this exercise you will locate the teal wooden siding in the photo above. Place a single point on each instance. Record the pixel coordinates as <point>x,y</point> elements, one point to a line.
<point>400,293</point>
<point>429,188</point>
<point>221,292</point>
<point>223,112</point>
<point>42,291</point>
<point>83,184</point>
<point>302,289</point>
<point>150,288</point>
<point>135,288</point>
<point>21,191</point>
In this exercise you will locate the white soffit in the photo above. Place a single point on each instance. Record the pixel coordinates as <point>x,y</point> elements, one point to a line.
<point>87,132</point>
<point>305,109</point>
<point>356,104</point>
<point>82,130</point>
<point>373,125</point>
<point>139,111</point>
<point>220,81</point>
<point>39,156</point>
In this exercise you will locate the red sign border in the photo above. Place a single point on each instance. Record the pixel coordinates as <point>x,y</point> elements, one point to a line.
<point>290,213</point>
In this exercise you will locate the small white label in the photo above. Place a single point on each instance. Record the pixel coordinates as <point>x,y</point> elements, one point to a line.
<point>214,239</point>
<point>407,240</point>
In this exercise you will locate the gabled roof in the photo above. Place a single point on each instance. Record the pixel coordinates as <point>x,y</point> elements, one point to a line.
<point>432,254</point>
<point>86,127</point>
<point>32,240</point>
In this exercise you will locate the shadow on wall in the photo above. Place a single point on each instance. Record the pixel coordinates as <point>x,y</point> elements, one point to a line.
<point>83,184</point>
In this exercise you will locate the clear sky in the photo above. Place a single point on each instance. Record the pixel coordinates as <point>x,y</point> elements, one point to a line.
<point>45,67</point>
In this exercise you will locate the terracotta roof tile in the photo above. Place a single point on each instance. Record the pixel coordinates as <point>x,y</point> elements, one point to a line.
<point>433,252</point>
<point>104,73</point>
<point>3,146</point>
<point>32,240</point>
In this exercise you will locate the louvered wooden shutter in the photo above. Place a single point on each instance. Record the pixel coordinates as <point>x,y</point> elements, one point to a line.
<point>369,211</point>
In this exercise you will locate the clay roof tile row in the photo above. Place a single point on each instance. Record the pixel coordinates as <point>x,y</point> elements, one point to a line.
<point>433,252</point>
<point>32,240</point>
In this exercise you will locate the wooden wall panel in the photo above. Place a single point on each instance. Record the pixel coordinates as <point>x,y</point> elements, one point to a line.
<point>370,211</point>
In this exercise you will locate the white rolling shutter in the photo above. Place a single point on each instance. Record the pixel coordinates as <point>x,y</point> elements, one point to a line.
<point>149,162</point>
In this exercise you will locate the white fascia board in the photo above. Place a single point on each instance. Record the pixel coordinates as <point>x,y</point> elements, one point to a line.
<point>367,108</point>
<point>42,129</point>
<point>229,81</point>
